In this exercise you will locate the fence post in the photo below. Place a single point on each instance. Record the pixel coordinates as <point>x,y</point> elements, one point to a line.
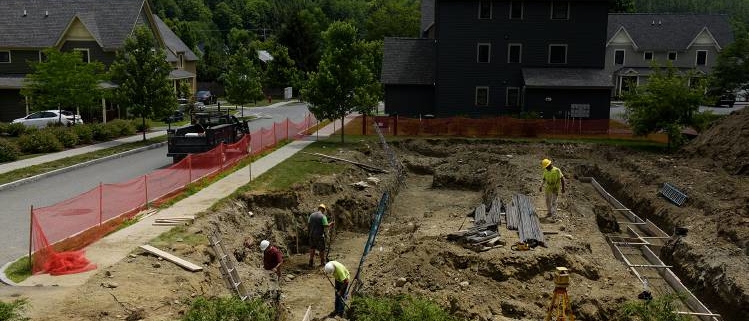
<point>223,155</point>
<point>101,201</point>
<point>275,141</point>
<point>261,140</point>
<point>287,128</point>
<point>145,182</point>
<point>31,234</point>
<point>189,169</point>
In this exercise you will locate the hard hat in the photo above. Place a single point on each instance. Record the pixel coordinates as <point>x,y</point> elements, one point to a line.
<point>322,206</point>
<point>329,267</point>
<point>545,163</point>
<point>264,245</point>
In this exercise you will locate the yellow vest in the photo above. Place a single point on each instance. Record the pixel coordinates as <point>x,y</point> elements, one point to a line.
<point>553,180</point>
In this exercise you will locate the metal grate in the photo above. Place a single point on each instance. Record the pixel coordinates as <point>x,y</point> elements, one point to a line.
<point>673,194</point>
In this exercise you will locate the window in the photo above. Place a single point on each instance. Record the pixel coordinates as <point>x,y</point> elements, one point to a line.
<point>484,51</point>
<point>514,53</point>
<point>619,57</point>
<point>701,57</point>
<point>557,54</point>
<point>485,9</point>
<point>482,96</point>
<point>84,54</point>
<point>5,57</point>
<point>513,96</point>
<point>516,9</point>
<point>181,61</point>
<point>560,10</point>
<point>648,55</point>
<point>672,55</point>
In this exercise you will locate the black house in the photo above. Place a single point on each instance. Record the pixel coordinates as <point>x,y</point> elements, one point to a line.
<point>480,58</point>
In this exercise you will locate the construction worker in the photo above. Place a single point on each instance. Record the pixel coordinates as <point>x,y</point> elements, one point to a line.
<point>317,224</point>
<point>341,277</point>
<point>272,258</point>
<point>553,180</point>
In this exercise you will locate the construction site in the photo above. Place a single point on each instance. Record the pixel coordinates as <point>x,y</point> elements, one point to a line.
<point>461,222</point>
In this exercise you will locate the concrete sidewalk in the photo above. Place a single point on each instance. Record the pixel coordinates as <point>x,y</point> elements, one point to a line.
<point>114,247</point>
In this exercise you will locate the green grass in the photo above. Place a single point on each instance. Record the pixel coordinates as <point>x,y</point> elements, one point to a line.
<point>396,308</point>
<point>13,311</point>
<point>69,161</point>
<point>19,270</point>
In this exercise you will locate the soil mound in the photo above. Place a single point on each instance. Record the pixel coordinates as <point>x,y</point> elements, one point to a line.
<point>725,143</point>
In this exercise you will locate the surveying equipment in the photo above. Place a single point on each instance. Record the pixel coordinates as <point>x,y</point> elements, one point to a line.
<point>560,302</point>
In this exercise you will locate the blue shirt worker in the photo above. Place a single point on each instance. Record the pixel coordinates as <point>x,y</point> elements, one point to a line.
<point>552,184</point>
<point>341,277</point>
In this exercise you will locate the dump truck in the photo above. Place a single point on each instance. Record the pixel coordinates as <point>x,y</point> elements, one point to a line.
<point>205,131</point>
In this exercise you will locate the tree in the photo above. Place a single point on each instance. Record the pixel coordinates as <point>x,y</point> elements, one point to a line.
<point>142,73</point>
<point>344,81</point>
<point>393,18</point>
<point>623,6</point>
<point>63,80</point>
<point>731,69</point>
<point>666,102</point>
<point>281,71</point>
<point>243,80</point>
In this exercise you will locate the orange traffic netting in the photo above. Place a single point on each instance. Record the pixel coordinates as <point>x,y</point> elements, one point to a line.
<point>60,232</point>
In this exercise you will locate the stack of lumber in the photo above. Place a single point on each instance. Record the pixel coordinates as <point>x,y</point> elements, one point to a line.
<point>484,234</point>
<point>174,220</point>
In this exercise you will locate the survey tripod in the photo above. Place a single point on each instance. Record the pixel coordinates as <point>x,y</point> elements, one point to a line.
<point>560,302</point>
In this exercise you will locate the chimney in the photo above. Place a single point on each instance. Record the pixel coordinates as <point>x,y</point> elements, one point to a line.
<point>46,13</point>
<point>24,12</point>
<point>660,22</point>
<point>652,23</point>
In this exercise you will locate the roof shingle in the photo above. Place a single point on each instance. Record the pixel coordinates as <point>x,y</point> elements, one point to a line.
<point>408,61</point>
<point>662,32</point>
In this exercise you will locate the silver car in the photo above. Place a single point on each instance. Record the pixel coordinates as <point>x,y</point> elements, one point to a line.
<point>42,118</point>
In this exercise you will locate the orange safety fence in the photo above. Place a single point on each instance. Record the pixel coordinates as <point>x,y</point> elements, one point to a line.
<point>60,231</point>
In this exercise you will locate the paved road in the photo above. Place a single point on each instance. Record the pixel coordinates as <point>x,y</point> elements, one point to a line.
<point>16,202</point>
<point>617,109</point>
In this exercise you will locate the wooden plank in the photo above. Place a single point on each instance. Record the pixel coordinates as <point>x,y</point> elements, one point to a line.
<point>307,314</point>
<point>171,258</point>
<point>177,218</point>
<point>168,224</point>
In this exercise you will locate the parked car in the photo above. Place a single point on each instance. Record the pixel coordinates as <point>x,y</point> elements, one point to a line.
<point>199,106</point>
<point>42,118</point>
<point>726,99</point>
<point>205,96</point>
<point>174,117</point>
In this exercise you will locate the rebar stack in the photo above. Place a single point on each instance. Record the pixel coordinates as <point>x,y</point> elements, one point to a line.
<point>513,214</point>
<point>529,227</point>
<point>496,208</point>
<point>479,215</point>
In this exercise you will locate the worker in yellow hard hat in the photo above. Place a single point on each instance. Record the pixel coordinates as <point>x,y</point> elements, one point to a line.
<point>552,183</point>
<point>317,226</point>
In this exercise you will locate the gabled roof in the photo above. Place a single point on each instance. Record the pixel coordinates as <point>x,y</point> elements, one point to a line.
<point>173,42</point>
<point>45,21</point>
<point>408,61</point>
<point>663,32</point>
<point>566,78</point>
<point>427,14</point>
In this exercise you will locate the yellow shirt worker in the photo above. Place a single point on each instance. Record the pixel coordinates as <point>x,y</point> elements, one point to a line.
<point>552,183</point>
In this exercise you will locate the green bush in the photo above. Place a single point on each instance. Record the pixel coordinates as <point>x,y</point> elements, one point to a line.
<point>40,141</point>
<point>397,308</point>
<point>231,308</point>
<point>138,124</point>
<point>85,133</point>
<point>4,128</point>
<point>13,311</point>
<point>8,152</point>
<point>16,129</point>
<point>702,121</point>
<point>102,132</point>
<point>660,308</point>
<point>66,136</point>
<point>121,127</point>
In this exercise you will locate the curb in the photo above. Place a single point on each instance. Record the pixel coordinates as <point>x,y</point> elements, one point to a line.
<point>76,166</point>
<point>5,279</point>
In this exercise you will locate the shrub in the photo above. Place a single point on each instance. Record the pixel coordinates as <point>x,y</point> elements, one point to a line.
<point>102,132</point>
<point>231,308</point>
<point>121,127</point>
<point>13,311</point>
<point>4,128</point>
<point>85,133</point>
<point>40,141</point>
<point>397,308</point>
<point>66,136</point>
<point>8,152</point>
<point>138,124</point>
<point>661,308</point>
<point>16,129</point>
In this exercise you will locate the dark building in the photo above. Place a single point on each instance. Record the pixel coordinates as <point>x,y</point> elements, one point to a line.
<point>487,58</point>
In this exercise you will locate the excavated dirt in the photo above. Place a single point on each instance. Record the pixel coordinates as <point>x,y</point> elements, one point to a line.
<point>447,179</point>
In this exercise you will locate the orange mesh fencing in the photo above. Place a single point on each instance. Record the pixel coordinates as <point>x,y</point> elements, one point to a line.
<point>60,231</point>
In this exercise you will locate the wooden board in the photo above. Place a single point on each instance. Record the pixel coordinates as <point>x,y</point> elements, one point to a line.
<point>307,314</point>
<point>171,258</point>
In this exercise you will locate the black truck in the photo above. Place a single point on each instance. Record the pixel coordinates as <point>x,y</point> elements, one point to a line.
<point>206,131</point>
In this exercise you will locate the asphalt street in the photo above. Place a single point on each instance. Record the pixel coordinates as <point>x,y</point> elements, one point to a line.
<point>14,214</point>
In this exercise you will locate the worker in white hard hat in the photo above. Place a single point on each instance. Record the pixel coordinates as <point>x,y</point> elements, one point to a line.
<point>341,277</point>
<point>318,226</point>
<point>551,184</point>
<point>272,258</point>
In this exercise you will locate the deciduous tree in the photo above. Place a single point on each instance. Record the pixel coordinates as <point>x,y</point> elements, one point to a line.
<point>344,81</point>
<point>142,73</point>
<point>243,79</point>
<point>731,69</point>
<point>666,102</point>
